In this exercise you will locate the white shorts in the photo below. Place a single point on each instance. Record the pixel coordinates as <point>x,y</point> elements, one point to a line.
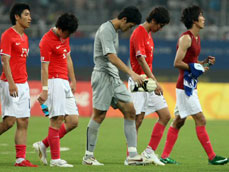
<point>147,102</point>
<point>61,100</point>
<point>185,105</point>
<point>18,107</point>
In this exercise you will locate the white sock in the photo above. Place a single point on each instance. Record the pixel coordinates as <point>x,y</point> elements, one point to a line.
<point>149,150</point>
<point>19,160</point>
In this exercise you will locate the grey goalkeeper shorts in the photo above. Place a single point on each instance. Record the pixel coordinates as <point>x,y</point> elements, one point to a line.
<point>107,91</point>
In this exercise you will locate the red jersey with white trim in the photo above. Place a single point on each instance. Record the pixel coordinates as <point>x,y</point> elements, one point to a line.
<point>54,50</point>
<point>141,44</point>
<point>15,46</point>
<point>191,56</point>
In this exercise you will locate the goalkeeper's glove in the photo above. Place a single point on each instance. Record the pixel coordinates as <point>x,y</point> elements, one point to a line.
<point>149,85</point>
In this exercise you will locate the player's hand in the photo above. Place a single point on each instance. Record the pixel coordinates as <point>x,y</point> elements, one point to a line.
<point>13,90</point>
<point>43,96</point>
<point>137,79</point>
<point>211,60</point>
<point>159,90</point>
<point>73,87</point>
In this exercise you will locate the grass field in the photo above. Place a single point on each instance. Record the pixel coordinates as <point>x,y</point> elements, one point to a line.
<point>111,147</point>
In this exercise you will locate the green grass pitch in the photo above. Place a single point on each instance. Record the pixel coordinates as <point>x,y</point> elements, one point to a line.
<point>111,147</point>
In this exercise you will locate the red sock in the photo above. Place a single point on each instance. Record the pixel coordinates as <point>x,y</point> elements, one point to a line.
<point>156,136</point>
<point>54,142</point>
<point>170,142</point>
<point>20,151</point>
<point>205,141</point>
<point>62,132</point>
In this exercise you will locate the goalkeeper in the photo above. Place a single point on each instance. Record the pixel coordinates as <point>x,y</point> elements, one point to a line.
<point>141,59</point>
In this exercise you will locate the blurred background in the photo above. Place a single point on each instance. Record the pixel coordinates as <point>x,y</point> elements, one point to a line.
<point>92,13</point>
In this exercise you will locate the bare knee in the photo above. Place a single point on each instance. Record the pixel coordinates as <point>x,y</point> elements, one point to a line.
<point>99,115</point>
<point>199,119</point>
<point>178,123</point>
<point>8,122</point>
<point>22,123</point>
<point>71,122</point>
<point>138,120</point>
<point>164,116</point>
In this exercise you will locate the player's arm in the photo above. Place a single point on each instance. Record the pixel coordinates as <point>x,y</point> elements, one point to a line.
<point>7,70</point>
<point>115,60</point>
<point>149,74</point>
<point>184,43</point>
<point>44,81</point>
<point>71,73</point>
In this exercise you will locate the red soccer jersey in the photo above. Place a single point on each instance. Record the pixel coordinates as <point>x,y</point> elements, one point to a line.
<point>191,56</point>
<point>141,44</point>
<point>54,50</point>
<point>15,46</point>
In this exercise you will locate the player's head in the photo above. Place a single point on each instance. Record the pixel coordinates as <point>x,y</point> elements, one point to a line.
<point>130,16</point>
<point>68,24</point>
<point>20,13</point>
<point>193,15</point>
<point>158,18</point>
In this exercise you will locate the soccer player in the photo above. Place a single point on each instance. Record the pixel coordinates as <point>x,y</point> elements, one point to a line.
<point>15,95</point>
<point>57,92</point>
<point>188,50</point>
<point>141,59</point>
<point>108,89</point>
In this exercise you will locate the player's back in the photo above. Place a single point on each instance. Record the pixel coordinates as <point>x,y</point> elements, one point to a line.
<point>191,56</point>
<point>106,42</point>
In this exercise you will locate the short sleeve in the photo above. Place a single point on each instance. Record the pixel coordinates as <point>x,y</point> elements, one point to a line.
<point>68,46</point>
<point>107,41</point>
<point>6,45</point>
<point>45,50</point>
<point>139,44</point>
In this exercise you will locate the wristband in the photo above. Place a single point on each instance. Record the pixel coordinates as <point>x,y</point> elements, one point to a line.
<point>45,88</point>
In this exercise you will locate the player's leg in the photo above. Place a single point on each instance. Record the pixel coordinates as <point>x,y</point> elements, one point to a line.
<point>20,143</point>
<point>70,122</point>
<point>131,133</point>
<point>139,119</point>
<point>102,96</point>
<point>7,123</point>
<point>171,139</point>
<point>203,137</point>
<point>92,132</point>
<point>157,133</point>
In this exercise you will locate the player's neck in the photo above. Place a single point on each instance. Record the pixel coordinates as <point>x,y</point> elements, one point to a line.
<point>55,31</point>
<point>20,30</point>
<point>195,31</point>
<point>116,23</point>
<point>147,26</point>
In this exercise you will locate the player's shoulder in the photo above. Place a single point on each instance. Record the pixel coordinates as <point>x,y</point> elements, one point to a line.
<point>46,37</point>
<point>8,32</point>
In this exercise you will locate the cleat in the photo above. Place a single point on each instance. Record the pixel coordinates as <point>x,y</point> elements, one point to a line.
<point>168,161</point>
<point>218,160</point>
<point>136,160</point>
<point>59,163</point>
<point>25,163</point>
<point>41,150</point>
<point>90,160</point>
<point>151,158</point>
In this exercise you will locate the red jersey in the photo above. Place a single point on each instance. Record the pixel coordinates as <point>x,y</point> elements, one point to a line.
<point>141,44</point>
<point>191,56</point>
<point>54,50</point>
<point>15,46</point>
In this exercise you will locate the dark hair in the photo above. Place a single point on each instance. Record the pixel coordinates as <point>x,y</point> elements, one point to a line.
<point>17,9</point>
<point>132,14</point>
<point>67,22</point>
<point>160,15</point>
<point>190,14</point>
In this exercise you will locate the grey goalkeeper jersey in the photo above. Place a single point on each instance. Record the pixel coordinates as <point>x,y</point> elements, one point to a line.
<point>106,41</point>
